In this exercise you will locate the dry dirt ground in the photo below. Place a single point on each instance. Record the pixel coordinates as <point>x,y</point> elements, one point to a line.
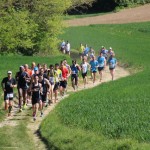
<point>138,14</point>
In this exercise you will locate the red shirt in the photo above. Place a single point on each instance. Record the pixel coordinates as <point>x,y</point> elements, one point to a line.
<point>64,72</point>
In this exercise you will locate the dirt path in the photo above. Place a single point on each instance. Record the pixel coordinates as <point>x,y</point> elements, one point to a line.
<point>138,14</point>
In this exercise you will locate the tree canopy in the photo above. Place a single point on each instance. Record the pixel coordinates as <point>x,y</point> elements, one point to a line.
<point>30,26</point>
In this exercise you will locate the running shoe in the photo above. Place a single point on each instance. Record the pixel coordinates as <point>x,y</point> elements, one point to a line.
<point>41,114</point>
<point>20,110</point>
<point>24,106</point>
<point>9,114</point>
<point>34,118</point>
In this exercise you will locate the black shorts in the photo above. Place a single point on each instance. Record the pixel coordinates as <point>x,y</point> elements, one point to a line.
<point>35,98</point>
<point>8,96</point>
<point>63,84</point>
<point>74,76</point>
<point>111,68</point>
<point>94,71</point>
<point>44,97</point>
<point>84,75</point>
<point>100,68</point>
<point>56,86</point>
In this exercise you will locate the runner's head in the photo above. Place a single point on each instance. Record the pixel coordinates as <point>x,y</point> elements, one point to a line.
<point>101,54</point>
<point>39,66</point>
<point>26,67</point>
<point>51,67</point>
<point>65,61</point>
<point>33,65</point>
<point>21,68</point>
<point>93,57</point>
<point>41,76</point>
<point>36,78</point>
<point>56,66</point>
<point>45,66</point>
<point>36,70</point>
<point>9,73</point>
<point>41,71</point>
<point>73,62</point>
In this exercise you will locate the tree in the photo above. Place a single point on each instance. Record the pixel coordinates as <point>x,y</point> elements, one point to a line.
<point>30,26</point>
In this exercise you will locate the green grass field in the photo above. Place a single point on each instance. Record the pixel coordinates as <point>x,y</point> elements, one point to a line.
<point>114,115</point>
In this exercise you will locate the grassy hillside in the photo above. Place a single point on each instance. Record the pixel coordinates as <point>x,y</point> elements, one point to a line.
<point>114,115</point>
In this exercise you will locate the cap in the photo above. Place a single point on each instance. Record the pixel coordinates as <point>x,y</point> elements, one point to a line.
<point>102,46</point>
<point>22,67</point>
<point>36,69</point>
<point>9,72</point>
<point>110,47</point>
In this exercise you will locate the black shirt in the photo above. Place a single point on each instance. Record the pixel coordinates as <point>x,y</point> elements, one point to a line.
<point>7,83</point>
<point>21,78</point>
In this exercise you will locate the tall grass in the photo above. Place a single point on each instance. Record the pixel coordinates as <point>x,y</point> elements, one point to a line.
<point>115,113</point>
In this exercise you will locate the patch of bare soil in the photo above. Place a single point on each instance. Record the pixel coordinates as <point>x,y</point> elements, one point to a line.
<point>138,14</point>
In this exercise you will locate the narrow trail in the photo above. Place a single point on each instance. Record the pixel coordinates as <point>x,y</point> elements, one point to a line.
<point>33,127</point>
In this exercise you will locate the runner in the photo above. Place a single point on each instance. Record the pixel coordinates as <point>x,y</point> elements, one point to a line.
<point>45,68</point>
<point>94,65</point>
<point>33,65</point>
<point>104,51</point>
<point>36,72</point>
<point>69,69</point>
<point>29,72</point>
<point>84,69</point>
<point>81,50</point>
<point>21,78</point>
<point>67,48</point>
<point>8,83</point>
<point>74,74</point>
<point>63,82</point>
<point>52,81</point>
<point>110,52</point>
<point>91,52</point>
<point>62,46</point>
<point>58,77</point>
<point>101,64</point>
<point>36,89</point>
<point>86,51</point>
<point>112,62</point>
<point>45,90</point>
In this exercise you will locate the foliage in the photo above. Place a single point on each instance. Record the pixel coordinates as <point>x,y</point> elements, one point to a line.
<point>32,26</point>
<point>116,114</point>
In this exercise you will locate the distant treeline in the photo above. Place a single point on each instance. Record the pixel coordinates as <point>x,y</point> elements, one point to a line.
<point>105,6</point>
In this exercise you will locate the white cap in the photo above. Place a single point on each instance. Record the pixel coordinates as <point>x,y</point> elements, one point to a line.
<point>9,72</point>
<point>110,47</point>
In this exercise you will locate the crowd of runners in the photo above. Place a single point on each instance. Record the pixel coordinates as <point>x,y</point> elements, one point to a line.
<point>40,84</point>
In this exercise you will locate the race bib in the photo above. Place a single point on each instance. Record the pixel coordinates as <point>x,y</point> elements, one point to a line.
<point>10,95</point>
<point>111,65</point>
<point>73,72</point>
<point>101,65</point>
<point>51,79</point>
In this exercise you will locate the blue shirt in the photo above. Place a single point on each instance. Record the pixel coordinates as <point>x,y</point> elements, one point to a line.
<point>74,69</point>
<point>94,64</point>
<point>101,60</point>
<point>86,50</point>
<point>112,62</point>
